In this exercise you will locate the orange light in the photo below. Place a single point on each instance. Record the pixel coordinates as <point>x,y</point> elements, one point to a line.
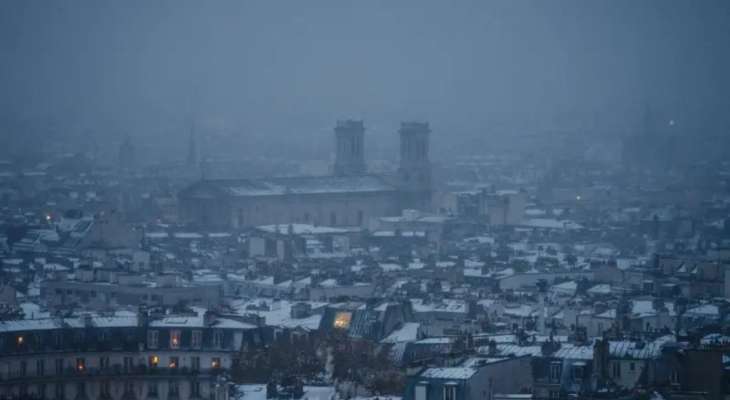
<point>21,340</point>
<point>174,341</point>
<point>155,360</point>
<point>215,364</point>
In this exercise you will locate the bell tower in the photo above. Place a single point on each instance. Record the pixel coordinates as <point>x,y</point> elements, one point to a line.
<point>349,148</point>
<point>414,173</point>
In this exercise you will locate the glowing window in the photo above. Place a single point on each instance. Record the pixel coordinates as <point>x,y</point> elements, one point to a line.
<point>175,339</point>
<point>342,320</point>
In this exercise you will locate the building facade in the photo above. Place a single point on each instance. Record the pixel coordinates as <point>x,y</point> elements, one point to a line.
<point>349,197</point>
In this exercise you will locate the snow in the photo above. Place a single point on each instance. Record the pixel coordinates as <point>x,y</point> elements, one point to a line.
<point>459,373</point>
<point>407,333</point>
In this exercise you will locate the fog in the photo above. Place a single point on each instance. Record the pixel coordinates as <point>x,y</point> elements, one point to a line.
<point>277,75</point>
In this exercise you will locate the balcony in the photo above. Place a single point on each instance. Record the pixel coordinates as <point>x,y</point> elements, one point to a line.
<point>111,372</point>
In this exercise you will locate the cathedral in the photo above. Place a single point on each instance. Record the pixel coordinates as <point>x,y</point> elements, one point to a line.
<point>348,197</point>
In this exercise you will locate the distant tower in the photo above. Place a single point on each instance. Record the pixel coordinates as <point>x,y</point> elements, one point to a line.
<point>349,151</point>
<point>126,154</point>
<point>414,173</point>
<point>192,159</point>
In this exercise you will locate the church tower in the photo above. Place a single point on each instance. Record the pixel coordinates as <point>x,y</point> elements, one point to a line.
<point>349,148</point>
<point>414,173</point>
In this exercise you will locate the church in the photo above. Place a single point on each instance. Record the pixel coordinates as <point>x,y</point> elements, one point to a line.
<point>348,197</point>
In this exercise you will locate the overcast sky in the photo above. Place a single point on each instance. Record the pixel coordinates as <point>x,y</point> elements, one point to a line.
<point>296,66</point>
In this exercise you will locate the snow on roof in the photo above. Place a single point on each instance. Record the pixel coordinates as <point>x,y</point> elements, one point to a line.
<point>301,229</point>
<point>319,393</point>
<point>636,350</point>
<point>445,305</point>
<point>573,352</point>
<point>301,185</point>
<point>705,310</point>
<point>602,288</point>
<point>459,373</point>
<point>390,267</point>
<point>249,392</point>
<point>514,350</point>
<point>279,313</point>
<point>407,333</point>
<point>550,223</point>
<point>519,310</point>
<point>568,287</point>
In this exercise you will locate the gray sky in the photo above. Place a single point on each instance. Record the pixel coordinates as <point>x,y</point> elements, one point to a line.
<point>292,67</point>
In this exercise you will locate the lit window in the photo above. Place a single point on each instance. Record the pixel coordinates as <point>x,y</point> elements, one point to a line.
<point>215,362</point>
<point>342,320</point>
<point>80,364</point>
<point>175,339</point>
<point>20,340</point>
<point>154,360</point>
<point>174,362</point>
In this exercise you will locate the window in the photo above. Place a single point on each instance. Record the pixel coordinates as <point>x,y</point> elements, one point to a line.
<point>632,366</point>
<point>195,363</point>
<point>218,339</point>
<point>129,387</point>
<point>152,389</point>
<point>152,338</point>
<point>60,391</point>
<point>153,361</point>
<point>674,377</point>
<point>173,389</point>
<point>80,364</point>
<point>195,389</point>
<point>106,389</point>
<point>449,392</point>
<point>616,369</point>
<point>196,340</point>
<point>59,366</point>
<point>23,368</point>
<point>174,362</point>
<point>215,362</point>
<point>41,391</point>
<point>80,390</point>
<point>128,364</point>
<point>40,367</point>
<point>175,339</point>
<point>577,373</point>
<point>555,371</point>
<point>104,362</point>
<point>554,394</point>
<point>421,391</point>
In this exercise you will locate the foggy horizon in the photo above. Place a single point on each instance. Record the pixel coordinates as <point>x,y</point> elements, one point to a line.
<point>273,72</point>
